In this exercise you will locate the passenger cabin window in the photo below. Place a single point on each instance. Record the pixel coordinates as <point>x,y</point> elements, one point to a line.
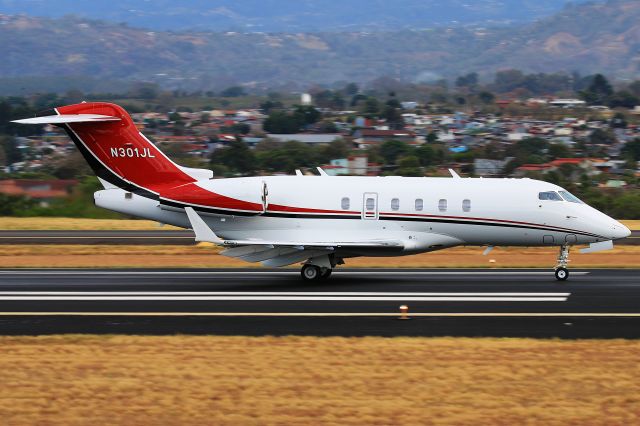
<point>370,204</point>
<point>419,204</point>
<point>442,205</point>
<point>466,205</point>
<point>395,204</point>
<point>345,203</point>
<point>570,197</point>
<point>549,196</point>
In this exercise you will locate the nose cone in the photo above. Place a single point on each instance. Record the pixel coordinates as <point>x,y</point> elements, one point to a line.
<point>619,231</point>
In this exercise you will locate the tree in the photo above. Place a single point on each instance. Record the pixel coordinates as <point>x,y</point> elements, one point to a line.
<point>599,91</point>
<point>391,150</point>
<point>282,123</point>
<point>286,156</point>
<point>307,114</point>
<point>631,149</point>
<point>619,121</point>
<point>269,105</point>
<point>486,97</point>
<point>336,149</point>
<point>409,166</point>
<point>371,106</point>
<point>602,137</point>
<point>508,80</point>
<point>143,90</point>
<point>351,89</point>
<point>623,99</point>
<point>427,155</point>
<point>634,88</point>
<point>233,92</point>
<point>558,150</point>
<point>393,115</point>
<point>236,156</point>
<point>432,137</point>
<point>469,80</point>
<point>11,150</point>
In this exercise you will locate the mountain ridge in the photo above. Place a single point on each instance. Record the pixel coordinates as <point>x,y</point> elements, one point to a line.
<point>588,38</point>
<point>288,16</point>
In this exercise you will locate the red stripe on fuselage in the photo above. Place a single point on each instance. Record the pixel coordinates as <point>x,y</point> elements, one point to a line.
<point>194,194</point>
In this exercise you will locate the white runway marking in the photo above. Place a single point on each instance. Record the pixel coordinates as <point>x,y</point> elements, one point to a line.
<point>267,293</point>
<point>284,296</point>
<point>330,314</point>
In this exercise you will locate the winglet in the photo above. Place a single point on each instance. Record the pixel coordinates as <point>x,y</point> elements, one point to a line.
<point>298,172</point>
<point>454,174</point>
<point>202,230</point>
<point>322,172</point>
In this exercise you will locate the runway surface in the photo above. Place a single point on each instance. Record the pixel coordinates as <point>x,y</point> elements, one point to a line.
<point>185,237</point>
<point>354,302</point>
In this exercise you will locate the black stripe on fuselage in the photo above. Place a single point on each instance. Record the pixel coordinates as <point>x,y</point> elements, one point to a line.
<point>482,223</point>
<point>203,209</point>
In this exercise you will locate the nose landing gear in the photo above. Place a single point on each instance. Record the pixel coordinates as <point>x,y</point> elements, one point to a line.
<point>562,273</point>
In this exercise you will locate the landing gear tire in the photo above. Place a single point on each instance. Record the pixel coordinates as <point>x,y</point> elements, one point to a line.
<point>562,274</point>
<point>326,274</point>
<point>311,272</point>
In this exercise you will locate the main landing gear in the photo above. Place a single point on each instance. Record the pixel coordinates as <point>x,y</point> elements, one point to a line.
<point>315,273</point>
<point>562,273</point>
<point>320,267</point>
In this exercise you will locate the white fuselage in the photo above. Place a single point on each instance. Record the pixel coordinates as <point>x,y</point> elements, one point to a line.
<point>425,213</point>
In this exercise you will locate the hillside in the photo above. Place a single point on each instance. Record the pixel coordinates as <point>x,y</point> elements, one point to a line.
<point>292,16</point>
<point>587,38</point>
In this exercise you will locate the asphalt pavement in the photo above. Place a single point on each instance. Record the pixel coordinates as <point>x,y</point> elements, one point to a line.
<point>354,302</point>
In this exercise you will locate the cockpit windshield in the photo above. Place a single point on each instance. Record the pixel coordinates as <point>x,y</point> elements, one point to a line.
<point>570,197</point>
<point>549,196</point>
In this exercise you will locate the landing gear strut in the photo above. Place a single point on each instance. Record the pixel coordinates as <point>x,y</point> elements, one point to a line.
<point>562,273</point>
<point>315,273</point>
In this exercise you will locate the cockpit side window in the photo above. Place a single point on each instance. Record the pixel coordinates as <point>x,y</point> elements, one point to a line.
<point>549,196</point>
<point>570,197</point>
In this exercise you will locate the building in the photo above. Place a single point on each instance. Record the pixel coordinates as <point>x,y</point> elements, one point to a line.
<point>310,138</point>
<point>568,103</point>
<point>367,137</point>
<point>44,191</point>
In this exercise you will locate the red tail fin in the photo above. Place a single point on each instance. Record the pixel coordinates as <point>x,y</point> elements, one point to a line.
<point>119,153</point>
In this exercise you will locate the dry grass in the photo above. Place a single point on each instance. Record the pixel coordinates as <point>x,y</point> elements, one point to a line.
<point>74,224</point>
<point>63,223</point>
<point>205,256</point>
<point>634,225</point>
<point>78,380</point>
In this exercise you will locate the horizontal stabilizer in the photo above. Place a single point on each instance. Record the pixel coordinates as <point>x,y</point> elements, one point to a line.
<point>197,174</point>
<point>67,118</point>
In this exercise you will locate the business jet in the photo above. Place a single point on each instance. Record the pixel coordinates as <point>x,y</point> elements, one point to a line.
<point>320,221</point>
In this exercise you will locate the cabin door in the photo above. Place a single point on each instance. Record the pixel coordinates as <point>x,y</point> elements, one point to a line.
<point>370,206</point>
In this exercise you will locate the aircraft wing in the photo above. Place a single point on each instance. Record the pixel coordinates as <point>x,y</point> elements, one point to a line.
<point>278,253</point>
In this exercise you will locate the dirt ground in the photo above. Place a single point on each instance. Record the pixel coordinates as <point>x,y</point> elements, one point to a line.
<point>206,256</point>
<point>189,380</point>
